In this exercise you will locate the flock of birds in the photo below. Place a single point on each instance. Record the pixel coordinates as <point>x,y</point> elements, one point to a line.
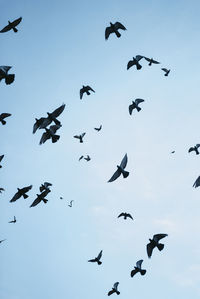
<point>45,123</point>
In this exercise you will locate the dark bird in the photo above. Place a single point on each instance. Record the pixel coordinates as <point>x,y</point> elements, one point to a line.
<point>61,197</point>
<point>97,259</point>
<point>197,182</point>
<point>166,71</point>
<point>114,289</point>
<point>9,78</point>
<point>195,149</point>
<point>2,116</point>
<point>172,152</point>
<point>70,204</point>
<point>45,186</point>
<point>85,89</point>
<point>2,189</point>
<point>134,105</point>
<point>113,28</point>
<point>138,269</point>
<point>39,122</point>
<point>40,197</point>
<point>2,240</point>
<point>120,170</point>
<point>155,243</point>
<point>151,60</point>
<point>11,25</point>
<point>52,117</point>
<point>13,221</point>
<point>87,158</point>
<point>21,192</point>
<point>50,134</point>
<point>135,61</point>
<point>125,215</point>
<point>81,157</point>
<point>80,137</point>
<point>98,129</point>
<point>1,158</point>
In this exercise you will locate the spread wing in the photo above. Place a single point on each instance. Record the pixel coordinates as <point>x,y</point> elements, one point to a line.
<point>58,111</point>
<point>81,93</point>
<point>124,162</point>
<point>130,108</point>
<point>138,101</point>
<point>108,31</point>
<point>14,218</point>
<point>159,237</point>
<point>16,22</point>
<point>115,176</point>
<point>99,255</point>
<point>130,64</point>
<point>121,215</point>
<point>197,145</point>
<point>89,88</point>
<point>46,121</point>
<point>77,136</point>
<point>5,68</point>
<point>36,202</point>
<point>197,182</point>
<point>1,157</point>
<point>115,286</point>
<point>129,215</point>
<point>15,197</point>
<point>92,260</point>
<point>4,115</point>
<point>147,59</point>
<point>155,61</point>
<point>111,292</point>
<point>139,57</point>
<point>46,184</point>
<point>118,25</point>
<point>191,149</point>
<point>133,272</point>
<point>149,249</point>
<point>83,134</point>
<point>26,189</point>
<point>6,28</point>
<point>165,70</point>
<point>139,264</point>
<point>81,157</point>
<point>45,137</point>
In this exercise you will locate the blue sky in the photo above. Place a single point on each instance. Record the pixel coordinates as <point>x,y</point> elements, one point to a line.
<point>59,47</point>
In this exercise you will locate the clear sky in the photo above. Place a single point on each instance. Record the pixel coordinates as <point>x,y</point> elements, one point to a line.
<point>59,47</point>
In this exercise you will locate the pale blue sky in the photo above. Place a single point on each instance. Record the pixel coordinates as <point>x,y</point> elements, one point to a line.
<point>59,47</point>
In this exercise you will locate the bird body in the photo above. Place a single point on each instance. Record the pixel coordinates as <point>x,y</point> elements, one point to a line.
<point>138,269</point>
<point>21,192</point>
<point>134,105</point>
<point>125,215</point>
<point>113,28</point>
<point>9,78</point>
<point>155,243</point>
<point>97,259</point>
<point>11,26</point>
<point>120,170</point>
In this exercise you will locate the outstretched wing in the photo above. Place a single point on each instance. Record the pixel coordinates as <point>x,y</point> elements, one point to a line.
<point>197,182</point>
<point>4,68</point>
<point>115,286</point>
<point>77,136</point>
<point>6,28</point>
<point>191,149</point>
<point>139,57</point>
<point>15,197</point>
<point>130,108</point>
<point>149,249</point>
<point>129,215</point>
<point>26,189</point>
<point>4,115</point>
<point>81,93</point>
<point>139,264</point>
<point>165,70</point>
<point>158,237</point>
<point>92,260</point>
<point>108,31</point>
<point>197,145</point>
<point>83,134</point>
<point>111,292</point>
<point>115,176</point>
<point>121,215</point>
<point>89,88</point>
<point>38,123</point>
<point>124,161</point>
<point>133,272</point>
<point>119,25</point>
<point>54,128</point>
<point>130,64</point>
<point>16,22</point>
<point>137,101</point>
<point>58,111</point>
<point>36,202</point>
<point>45,137</point>
<point>99,255</point>
<point>1,157</point>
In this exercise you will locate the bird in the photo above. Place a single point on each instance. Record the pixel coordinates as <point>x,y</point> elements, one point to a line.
<point>45,186</point>
<point>113,28</point>
<point>2,116</point>
<point>134,105</point>
<point>85,89</point>
<point>155,243</point>
<point>197,182</point>
<point>87,158</point>
<point>21,192</point>
<point>195,149</point>
<point>80,137</point>
<point>98,129</point>
<point>2,189</point>
<point>81,157</point>
<point>52,117</point>
<point>50,134</point>
<point>2,240</point>
<point>40,197</point>
<point>151,60</point>
<point>114,289</point>
<point>120,170</point>
<point>9,78</point>
<point>13,221</point>
<point>12,25</point>
<point>97,259</point>
<point>172,152</point>
<point>166,71</point>
<point>70,204</point>
<point>135,61</point>
<point>1,158</point>
<point>38,123</point>
<point>61,197</point>
<point>125,215</point>
<point>138,269</point>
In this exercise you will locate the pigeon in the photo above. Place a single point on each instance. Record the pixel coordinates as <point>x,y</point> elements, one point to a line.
<point>155,243</point>
<point>13,221</point>
<point>197,182</point>
<point>114,289</point>
<point>125,215</point>
<point>166,71</point>
<point>50,134</point>
<point>138,269</point>
<point>2,189</point>
<point>85,89</point>
<point>134,105</point>
<point>98,129</point>
<point>120,170</point>
<point>80,137</point>
<point>97,259</point>
<point>2,116</point>
<point>11,25</point>
<point>81,157</point>
<point>151,60</point>
<point>1,158</point>
<point>39,122</point>
<point>87,158</point>
<point>113,28</point>
<point>2,240</point>
<point>135,61</point>
<point>52,117</point>
<point>9,78</point>
<point>70,204</point>
<point>45,186</point>
<point>195,149</point>
<point>40,197</point>
<point>21,192</point>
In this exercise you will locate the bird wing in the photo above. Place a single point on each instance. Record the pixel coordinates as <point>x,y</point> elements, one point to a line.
<point>26,189</point>
<point>197,145</point>
<point>108,31</point>
<point>130,64</point>
<point>130,108</point>
<point>129,215</point>
<point>155,61</point>
<point>16,22</point>
<point>191,149</point>
<point>115,176</point>
<point>15,197</point>
<point>139,57</point>
<point>77,136</point>
<point>111,292</point>
<point>115,286</point>
<point>4,69</point>
<point>147,59</point>
<point>120,215</point>
<point>4,115</point>
<point>83,134</point>
<point>46,184</point>
<point>139,264</point>
<point>124,161</point>
<point>14,218</point>
<point>92,260</point>
<point>6,28</point>
<point>164,69</point>
<point>1,157</point>
<point>149,249</point>
<point>81,93</point>
<point>45,137</point>
<point>119,25</point>
<point>99,255</point>
<point>197,182</point>
<point>36,202</point>
<point>81,157</point>
<point>137,101</point>
<point>58,111</point>
<point>158,237</point>
<point>133,272</point>
<point>89,88</point>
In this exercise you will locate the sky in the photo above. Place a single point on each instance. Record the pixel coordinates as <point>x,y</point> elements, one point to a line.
<point>59,47</point>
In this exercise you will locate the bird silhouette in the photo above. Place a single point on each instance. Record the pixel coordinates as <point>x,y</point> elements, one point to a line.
<point>50,134</point>
<point>2,189</point>
<point>155,243</point>
<point>113,28</point>
<point>120,170</point>
<point>1,158</point>
<point>166,71</point>
<point>13,221</point>
<point>151,60</point>
<point>172,152</point>
<point>40,197</point>
<point>45,186</point>
<point>11,25</point>
<point>114,289</point>
<point>52,117</point>
<point>138,269</point>
<point>3,116</point>
<point>97,259</point>
<point>85,89</point>
<point>195,149</point>
<point>38,123</point>
<point>80,137</point>
<point>21,192</point>
<point>125,215</point>
<point>70,204</point>
<point>87,158</point>
<point>134,105</point>
<point>197,182</point>
<point>135,61</point>
<point>9,78</point>
<point>2,240</point>
<point>98,129</point>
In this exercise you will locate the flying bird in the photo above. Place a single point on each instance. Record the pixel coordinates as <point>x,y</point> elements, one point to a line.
<point>3,116</point>
<point>11,25</point>
<point>70,204</point>
<point>195,149</point>
<point>52,117</point>
<point>9,78</point>
<point>45,186</point>
<point>13,221</point>
<point>87,158</point>
<point>1,158</point>
<point>21,192</point>
<point>38,123</point>
<point>197,182</point>
<point>155,243</point>
<point>120,170</point>
<point>135,61</point>
<point>166,71</point>
<point>125,215</point>
<point>138,269</point>
<point>85,89</point>
<point>134,105</point>
<point>40,197</point>
<point>80,137</point>
<point>151,60</point>
<point>2,189</point>
<point>98,129</point>
<point>114,289</point>
<point>113,28</point>
<point>97,259</point>
<point>2,240</point>
<point>172,152</point>
<point>50,134</point>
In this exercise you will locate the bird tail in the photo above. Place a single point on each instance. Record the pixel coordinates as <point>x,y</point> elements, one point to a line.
<point>117,292</point>
<point>25,196</point>
<point>15,29</point>
<point>143,272</point>
<point>88,93</point>
<point>160,246</point>
<point>45,200</point>
<point>166,74</point>
<point>118,34</point>
<point>3,122</point>
<point>55,138</point>
<point>138,109</point>
<point>125,174</point>
<point>9,79</point>
<point>99,262</point>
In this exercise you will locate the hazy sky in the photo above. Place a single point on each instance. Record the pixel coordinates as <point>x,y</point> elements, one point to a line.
<point>59,47</point>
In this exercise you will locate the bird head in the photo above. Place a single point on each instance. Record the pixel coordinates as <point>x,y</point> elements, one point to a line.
<point>111,24</point>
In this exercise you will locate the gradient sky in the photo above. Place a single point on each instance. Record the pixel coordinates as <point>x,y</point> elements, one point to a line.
<point>59,47</point>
